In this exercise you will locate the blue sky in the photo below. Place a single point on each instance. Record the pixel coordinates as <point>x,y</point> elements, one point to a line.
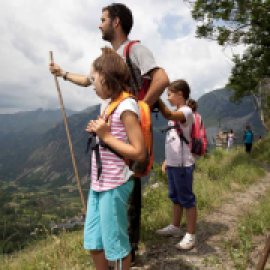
<point>30,29</point>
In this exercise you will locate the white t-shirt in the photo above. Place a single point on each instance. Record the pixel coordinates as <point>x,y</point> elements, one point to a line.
<point>129,104</point>
<point>173,149</point>
<point>142,61</point>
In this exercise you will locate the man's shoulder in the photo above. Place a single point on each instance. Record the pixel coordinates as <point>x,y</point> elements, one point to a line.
<point>138,47</point>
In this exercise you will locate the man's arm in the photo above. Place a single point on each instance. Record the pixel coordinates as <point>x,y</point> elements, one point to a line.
<point>81,80</point>
<point>171,115</point>
<point>158,84</point>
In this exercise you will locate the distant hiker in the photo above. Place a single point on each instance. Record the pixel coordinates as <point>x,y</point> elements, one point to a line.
<point>260,138</point>
<point>116,24</point>
<point>106,224</point>
<point>248,139</point>
<point>231,138</point>
<point>179,163</point>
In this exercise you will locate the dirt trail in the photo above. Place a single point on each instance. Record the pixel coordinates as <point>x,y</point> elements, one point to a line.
<point>216,228</point>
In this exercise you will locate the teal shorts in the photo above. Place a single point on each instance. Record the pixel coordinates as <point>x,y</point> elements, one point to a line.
<point>106,223</point>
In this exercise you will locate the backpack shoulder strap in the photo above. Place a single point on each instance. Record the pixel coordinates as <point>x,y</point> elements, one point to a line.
<point>128,47</point>
<point>114,104</point>
<point>180,132</point>
<point>127,51</point>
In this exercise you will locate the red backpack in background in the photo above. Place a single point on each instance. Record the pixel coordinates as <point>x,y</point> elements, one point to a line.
<point>198,142</point>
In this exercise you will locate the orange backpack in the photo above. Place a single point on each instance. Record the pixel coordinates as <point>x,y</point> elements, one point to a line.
<point>140,168</point>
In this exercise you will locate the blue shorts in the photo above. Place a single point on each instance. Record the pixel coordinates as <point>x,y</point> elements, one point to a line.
<point>180,186</point>
<point>106,223</point>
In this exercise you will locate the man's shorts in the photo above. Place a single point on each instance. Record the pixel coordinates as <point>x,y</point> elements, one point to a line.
<point>180,186</point>
<point>106,225</point>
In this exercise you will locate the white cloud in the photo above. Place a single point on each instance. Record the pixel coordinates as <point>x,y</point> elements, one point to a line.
<point>30,29</point>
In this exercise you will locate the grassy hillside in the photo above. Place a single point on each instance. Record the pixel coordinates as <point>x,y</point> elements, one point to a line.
<point>215,177</point>
<point>261,150</point>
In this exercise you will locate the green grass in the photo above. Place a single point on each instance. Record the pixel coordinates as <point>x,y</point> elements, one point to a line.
<point>214,179</point>
<point>56,252</point>
<point>252,223</point>
<point>261,150</point>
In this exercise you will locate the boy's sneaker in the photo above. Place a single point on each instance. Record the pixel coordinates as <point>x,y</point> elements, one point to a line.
<point>188,242</point>
<point>170,230</point>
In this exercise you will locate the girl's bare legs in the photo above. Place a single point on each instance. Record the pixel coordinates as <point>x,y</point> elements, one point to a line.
<point>125,263</point>
<point>177,214</point>
<point>191,214</point>
<point>102,264</point>
<point>99,259</point>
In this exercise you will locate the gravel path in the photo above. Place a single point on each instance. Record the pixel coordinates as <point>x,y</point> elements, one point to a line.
<point>212,232</point>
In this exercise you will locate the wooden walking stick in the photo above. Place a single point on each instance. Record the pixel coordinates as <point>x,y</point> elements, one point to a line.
<point>265,255</point>
<point>69,138</point>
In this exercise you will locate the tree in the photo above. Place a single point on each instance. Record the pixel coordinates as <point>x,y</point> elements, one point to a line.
<point>232,22</point>
<point>250,77</point>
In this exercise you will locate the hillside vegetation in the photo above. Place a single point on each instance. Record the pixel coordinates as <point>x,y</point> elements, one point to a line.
<point>215,177</point>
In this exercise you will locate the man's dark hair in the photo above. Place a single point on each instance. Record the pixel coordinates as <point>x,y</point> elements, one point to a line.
<point>180,86</point>
<point>123,13</point>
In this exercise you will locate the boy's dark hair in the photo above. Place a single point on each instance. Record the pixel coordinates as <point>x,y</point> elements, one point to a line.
<point>123,13</point>
<point>192,104</point>
<point>116,74</point>
<point>180,86</point>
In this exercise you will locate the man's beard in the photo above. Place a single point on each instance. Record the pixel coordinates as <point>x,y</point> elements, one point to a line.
<point>108,35</point>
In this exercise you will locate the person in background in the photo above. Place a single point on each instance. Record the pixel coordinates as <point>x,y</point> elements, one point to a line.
<point>260,138</point>
<point>231,138</point>
<point>248,139</point>
<point>179,164</point>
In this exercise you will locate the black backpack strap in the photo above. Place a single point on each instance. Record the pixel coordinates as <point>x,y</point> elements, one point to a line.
<point>135,85</point>
<point>182,139</point>
<point>179,132</point>
<point>92,145</point>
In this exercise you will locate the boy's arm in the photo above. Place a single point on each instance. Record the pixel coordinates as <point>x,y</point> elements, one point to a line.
<point>171,115</point>
<point>158,84</point>
<point>81,80</point>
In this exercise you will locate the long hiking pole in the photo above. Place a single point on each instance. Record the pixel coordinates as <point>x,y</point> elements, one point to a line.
<point>69,138</point>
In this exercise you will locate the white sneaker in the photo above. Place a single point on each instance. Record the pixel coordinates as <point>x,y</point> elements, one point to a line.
<point>188,242</point>
<point>170,230</point>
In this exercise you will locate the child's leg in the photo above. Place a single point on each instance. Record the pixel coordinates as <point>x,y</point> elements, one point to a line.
<point>191,214</point>
<point>177,214</point>
<point>125,263</point>
<point>172,186</point>
<point>114,224</point>
<point>99,259</point>
<point>92,231</point>
<point>188,201</point>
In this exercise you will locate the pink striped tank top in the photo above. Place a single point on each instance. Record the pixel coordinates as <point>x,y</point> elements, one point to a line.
<point>115,172</point>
